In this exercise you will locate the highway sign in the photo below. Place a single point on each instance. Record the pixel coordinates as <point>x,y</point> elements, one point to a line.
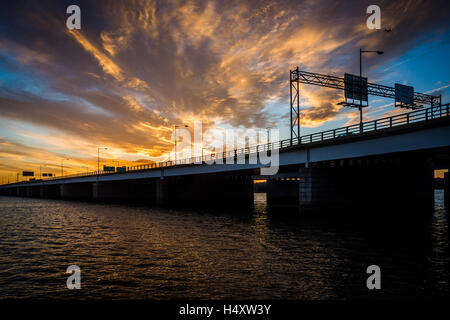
<point>355,87</point>
<point>404,94</point>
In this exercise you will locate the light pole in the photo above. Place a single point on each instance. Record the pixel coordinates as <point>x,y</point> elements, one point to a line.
<point>178,126</point>
<point>98,158</point>
<point>40,171</point>
<point>116,161</point>
<point>361,51</point>
<point>62,166</point>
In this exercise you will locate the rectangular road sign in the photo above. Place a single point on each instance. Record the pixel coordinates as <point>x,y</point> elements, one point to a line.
<point>404,94</point>
<point>121,169</point>
<point>355,87</point>
<point>109,169</point>
<point>27,174</point>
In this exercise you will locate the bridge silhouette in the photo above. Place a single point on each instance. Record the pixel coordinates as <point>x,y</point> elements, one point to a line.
<point>390,159</point>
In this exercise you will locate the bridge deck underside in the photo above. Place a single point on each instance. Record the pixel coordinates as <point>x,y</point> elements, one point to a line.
<point>394,167</point>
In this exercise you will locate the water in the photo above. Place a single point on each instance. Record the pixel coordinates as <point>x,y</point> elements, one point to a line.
<point>144,253</point>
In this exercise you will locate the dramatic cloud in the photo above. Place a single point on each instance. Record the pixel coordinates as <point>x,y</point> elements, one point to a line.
<point>137,68</point>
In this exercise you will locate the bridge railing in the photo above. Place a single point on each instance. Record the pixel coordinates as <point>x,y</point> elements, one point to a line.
<point>338,133</point>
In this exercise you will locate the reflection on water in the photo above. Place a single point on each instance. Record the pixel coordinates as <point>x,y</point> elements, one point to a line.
<point>137,252</point>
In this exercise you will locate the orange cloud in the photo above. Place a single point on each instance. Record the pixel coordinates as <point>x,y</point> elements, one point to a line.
<point>140,67</point>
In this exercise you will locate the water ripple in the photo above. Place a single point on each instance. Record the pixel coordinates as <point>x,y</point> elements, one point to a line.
<point>137,252</point>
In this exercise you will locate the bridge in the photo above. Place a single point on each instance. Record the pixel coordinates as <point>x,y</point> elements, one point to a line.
<point>391,158</point>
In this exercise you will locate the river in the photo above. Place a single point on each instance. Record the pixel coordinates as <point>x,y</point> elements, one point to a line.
<point>133,252</point>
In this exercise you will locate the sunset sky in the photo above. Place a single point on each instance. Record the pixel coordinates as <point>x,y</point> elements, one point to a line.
<point>137,68</point>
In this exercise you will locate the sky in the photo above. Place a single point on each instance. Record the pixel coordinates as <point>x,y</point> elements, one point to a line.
<point>136,69</point>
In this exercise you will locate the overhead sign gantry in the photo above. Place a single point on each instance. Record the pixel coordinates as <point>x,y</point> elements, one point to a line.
<point>355,89</point>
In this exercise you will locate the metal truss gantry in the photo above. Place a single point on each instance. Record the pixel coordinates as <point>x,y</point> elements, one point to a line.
<point>297,77</point>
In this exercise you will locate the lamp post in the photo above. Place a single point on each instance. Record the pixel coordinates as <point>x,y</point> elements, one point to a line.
<point>361,51</point>
<point>62,166</point>
<point>178,126</point>
<point>98,158</point>
<point>40,170</point>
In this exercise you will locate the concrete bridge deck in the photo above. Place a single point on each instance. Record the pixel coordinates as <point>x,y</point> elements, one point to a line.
<point>403,148</point>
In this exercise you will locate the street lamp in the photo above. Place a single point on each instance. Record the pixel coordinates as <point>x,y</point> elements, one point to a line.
<point>361,51</point>
<point>62,166</point>
<point>40,170</point>
<point>98,158</point>
<point>178,126</point>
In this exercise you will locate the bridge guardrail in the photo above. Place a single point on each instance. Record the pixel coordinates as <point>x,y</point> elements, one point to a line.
<point>373,125</point>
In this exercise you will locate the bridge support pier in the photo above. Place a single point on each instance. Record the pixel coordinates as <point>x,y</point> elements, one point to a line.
<point>323,188</point>
<point>12,192</point>
<point>447,190</point>
<point>381,184</point>
<point>215,191</point>
<point>161,192</point>
<point>51,191</point>
<point>21,191</point>
<point>365,186</point>
<point>141,191</point>
<point>33,192</point>
<point>283,192</point>
<point>95,190</point>
<point>313,191</point>
<point>76,191</point>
